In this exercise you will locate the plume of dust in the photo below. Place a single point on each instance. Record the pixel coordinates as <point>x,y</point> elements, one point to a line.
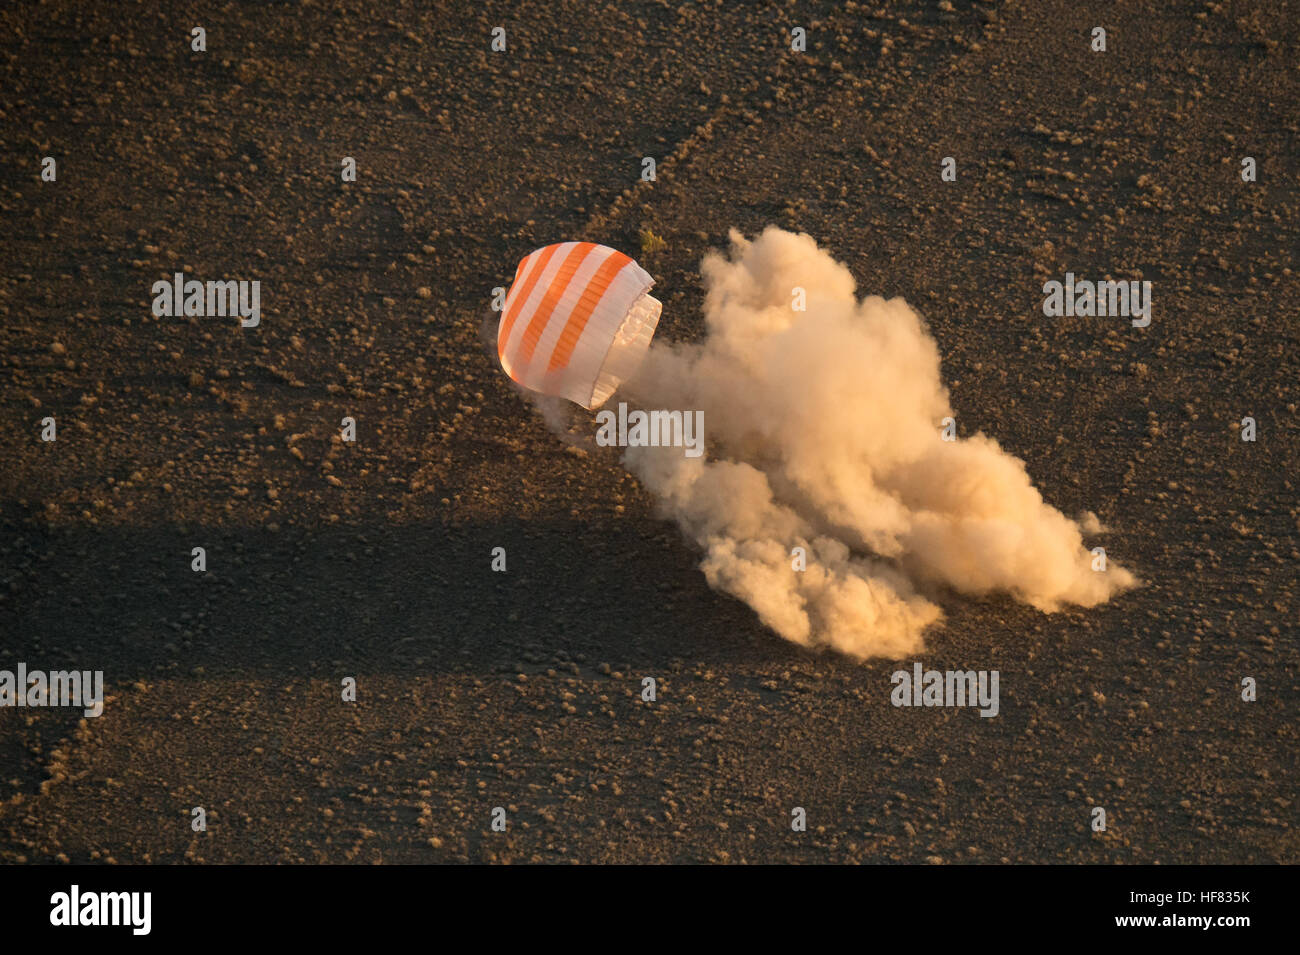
<point>822,431</point>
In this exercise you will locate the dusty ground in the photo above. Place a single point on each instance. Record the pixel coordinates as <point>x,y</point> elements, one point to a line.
<point>522,689</point>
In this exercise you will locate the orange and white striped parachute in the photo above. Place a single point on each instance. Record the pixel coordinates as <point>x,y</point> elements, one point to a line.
<point>577,321</point>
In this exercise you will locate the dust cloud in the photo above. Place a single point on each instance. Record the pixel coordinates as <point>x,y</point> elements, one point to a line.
<point>823,432</point>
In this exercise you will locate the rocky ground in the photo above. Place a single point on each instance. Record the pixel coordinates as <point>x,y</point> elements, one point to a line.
<point>522,690</point>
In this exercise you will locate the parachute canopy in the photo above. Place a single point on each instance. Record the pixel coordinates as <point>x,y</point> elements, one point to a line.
<point>577,321</point>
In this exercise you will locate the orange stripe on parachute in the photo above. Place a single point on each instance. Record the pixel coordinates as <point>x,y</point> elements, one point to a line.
<point>512,313</point>
<point>582,312</point>
<point>559,285</point>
